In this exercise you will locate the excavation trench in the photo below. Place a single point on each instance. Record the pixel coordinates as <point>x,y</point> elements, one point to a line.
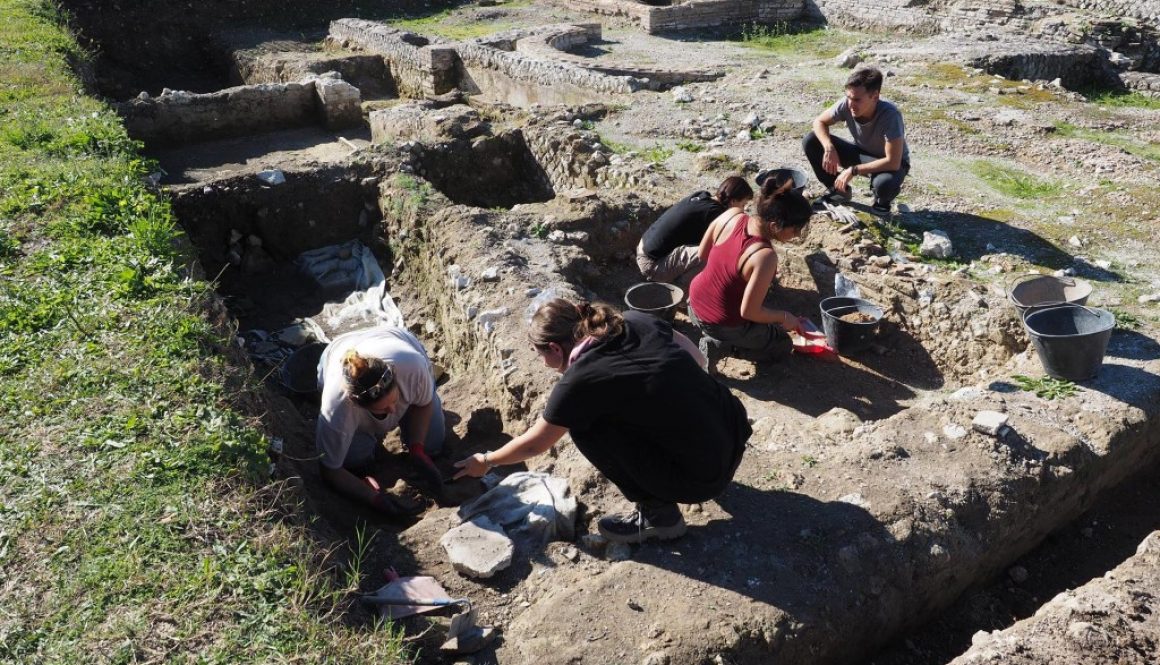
<point>864,518</point>
<point>865,500</point>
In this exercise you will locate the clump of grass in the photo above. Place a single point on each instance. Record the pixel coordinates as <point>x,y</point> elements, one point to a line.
<point>1046,387</point>
<point>1125,319</point>
<point>444,24</point>
<point>658,154</point>
<point>786,38</point>
<point>690,146</point>
<point>1013,182</point>
<point>1120,98</point>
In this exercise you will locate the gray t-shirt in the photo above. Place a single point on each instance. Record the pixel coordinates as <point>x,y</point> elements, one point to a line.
<point>339,418</point>
<point>871,136</point>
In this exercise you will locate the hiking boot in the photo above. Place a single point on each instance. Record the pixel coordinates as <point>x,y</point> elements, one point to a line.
<point>661,522</point>
<point>880,207</point>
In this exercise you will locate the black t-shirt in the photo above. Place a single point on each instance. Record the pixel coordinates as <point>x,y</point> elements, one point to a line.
<point>682,224</point>
<point>642,389</point>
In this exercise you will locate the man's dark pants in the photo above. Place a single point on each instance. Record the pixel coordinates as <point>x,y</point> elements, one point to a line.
<point>886,184</point>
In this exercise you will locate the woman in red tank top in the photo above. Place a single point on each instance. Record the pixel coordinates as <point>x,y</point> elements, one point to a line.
<point>726,300</point>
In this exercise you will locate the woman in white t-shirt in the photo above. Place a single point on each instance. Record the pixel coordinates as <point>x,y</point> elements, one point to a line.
<point>373,381</point>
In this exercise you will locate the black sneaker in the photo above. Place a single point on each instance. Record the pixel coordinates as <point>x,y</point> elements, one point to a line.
<point>834,197</point>
<point>663,523</point>
<point>880,208</point>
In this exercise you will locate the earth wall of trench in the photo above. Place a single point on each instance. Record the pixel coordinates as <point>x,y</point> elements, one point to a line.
<point>1112,620</point>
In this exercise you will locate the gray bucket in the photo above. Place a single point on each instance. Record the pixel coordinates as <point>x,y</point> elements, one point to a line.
<point>300,371</point>
<point>849,336</point>
<point>1070,339</point>
<point>656,298</point>
<point>780,175</point>
<point>1030,292</point>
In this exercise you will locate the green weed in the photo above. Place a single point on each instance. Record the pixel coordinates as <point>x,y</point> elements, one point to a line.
<point>1046,387</point>
<point>1121,98</point>
<point>690,146</point>
<point>1125,319</point>
<point>1013,182</point>
<point>807,41</point>
<point>809,461</point>
<point>658,154</point>
<point>540,230</point>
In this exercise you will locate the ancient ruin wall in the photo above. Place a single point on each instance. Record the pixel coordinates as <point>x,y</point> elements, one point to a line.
<point>710,13</point>
<point>418,67</point>
<point>1148,10</point>
<point>520,80</point>
<point>183,117</point>
<point>884,14</point>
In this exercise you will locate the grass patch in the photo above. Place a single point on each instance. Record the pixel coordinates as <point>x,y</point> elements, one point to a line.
<point>805,41</point>
<point>1124,141</point>
<point>137,520</point>
<point>1121,98</point>
<point>450,24</point>
<point>1126,319</point>
<point>658,154</point>
<point>1045,386</point>
<point>690,146</point>
<point>1014,182</point>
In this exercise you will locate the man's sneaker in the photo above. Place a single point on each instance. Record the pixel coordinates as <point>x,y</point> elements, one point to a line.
<point>662,523</point>
<point>834,197</point>
<point>880,207</point>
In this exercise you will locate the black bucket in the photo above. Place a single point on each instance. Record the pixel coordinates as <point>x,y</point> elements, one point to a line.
<point>1070,339</point>
<point>656,298</point>
<point>849,336</point>
<point>1033,292</point>
<point>300,371</point>
<point>781,175</point>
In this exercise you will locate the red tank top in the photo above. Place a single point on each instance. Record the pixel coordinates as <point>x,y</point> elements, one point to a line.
<point>716,292</point>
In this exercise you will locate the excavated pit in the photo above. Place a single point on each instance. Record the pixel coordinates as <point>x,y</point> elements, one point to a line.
<point>865,501</point>
<point>854,505</point>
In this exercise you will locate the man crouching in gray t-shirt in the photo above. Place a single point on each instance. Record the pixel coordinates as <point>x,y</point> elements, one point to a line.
<point>879,148</point>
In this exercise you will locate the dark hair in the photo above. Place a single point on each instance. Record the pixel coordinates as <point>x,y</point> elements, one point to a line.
<point>734,188</point>
<point>868,78</point>
<point>565,323</point>
<point>367,379</point>
<point>779,204</point>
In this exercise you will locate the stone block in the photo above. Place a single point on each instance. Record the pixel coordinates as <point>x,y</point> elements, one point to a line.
<point>339,103</point>
<point>478,548</point>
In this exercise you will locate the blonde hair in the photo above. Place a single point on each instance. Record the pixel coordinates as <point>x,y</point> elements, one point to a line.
<point>566,323</point>
<point>367,379</point>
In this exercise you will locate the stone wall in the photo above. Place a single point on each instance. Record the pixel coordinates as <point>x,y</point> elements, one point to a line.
<point>692,14</point>
<point>424,69</point>
<point>369,73</point>
<point>1148,84</point>
<point>554,44</point>
<point>182,117</point>
<point>710,13</point>
<point>418,67</point>
<point>1148,10</point>
<point>863,15</point>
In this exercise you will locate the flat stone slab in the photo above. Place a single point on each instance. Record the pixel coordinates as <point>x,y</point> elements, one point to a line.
<point>478,548</point>
<point>1114,620</point>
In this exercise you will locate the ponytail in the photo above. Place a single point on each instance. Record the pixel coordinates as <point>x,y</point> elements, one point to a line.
<point>778,204</point>
<point>562,322</point>
<point>367,379</point>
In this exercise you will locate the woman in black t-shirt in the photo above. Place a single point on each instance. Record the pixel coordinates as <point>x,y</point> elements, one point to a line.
<point>638,404</point>
<point>669,248</point>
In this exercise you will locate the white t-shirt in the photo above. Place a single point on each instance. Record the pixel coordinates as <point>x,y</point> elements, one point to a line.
<point>340,418</point>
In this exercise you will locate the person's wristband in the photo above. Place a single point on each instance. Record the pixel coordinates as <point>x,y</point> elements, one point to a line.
<point>487,463</point>
<point>854,170</point>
